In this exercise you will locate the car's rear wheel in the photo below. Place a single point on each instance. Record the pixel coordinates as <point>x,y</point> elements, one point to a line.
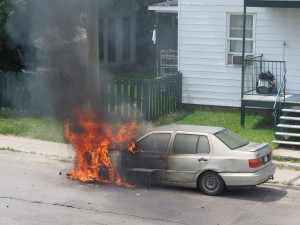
<point>211,183</point>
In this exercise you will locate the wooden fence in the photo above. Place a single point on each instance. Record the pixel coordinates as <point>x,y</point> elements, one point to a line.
<point>126,98</point>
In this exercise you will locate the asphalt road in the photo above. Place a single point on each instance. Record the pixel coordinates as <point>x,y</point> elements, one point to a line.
<point>36,190</point>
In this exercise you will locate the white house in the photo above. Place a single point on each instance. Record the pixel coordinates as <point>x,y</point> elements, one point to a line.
<point>210,44</point>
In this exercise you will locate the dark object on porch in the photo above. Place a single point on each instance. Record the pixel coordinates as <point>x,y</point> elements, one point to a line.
<point>266,84</point>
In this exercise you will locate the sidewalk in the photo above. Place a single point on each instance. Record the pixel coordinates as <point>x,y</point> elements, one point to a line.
<point>34,146</point>
<point>287,173</point>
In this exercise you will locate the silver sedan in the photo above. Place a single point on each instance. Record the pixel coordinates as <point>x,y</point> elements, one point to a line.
<point>204,157</point>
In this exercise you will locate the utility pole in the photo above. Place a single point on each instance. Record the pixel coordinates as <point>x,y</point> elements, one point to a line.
<point>93,74</point>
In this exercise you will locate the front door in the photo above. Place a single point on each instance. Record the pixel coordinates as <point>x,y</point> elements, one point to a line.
<point>152,154</point>
<point>190,153</point>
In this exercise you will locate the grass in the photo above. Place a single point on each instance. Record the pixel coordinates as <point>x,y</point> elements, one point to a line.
<point>32,126</point>
<point>9,149</point>
<point>258,128</point>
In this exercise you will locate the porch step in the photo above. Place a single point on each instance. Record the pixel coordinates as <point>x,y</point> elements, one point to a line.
<point>289,126</point>
<point>286,142</point>
<point>287,134</point>
<point>290,118</point>
<point>291,110</point>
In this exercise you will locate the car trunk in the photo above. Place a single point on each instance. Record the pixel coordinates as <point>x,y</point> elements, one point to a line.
<point>261,154</point>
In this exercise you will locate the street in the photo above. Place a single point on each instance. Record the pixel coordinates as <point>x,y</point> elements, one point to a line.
<point>35,190</point>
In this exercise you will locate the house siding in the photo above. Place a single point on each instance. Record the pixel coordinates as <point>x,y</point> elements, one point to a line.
<point>202,36</point>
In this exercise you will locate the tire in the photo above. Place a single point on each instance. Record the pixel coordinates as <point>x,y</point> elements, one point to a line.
<point>211,183</point>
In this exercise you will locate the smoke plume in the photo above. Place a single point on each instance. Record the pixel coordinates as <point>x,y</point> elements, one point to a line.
<point>53,42</point>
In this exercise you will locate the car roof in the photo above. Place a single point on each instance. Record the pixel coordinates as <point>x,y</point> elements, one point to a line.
<point>189,128</point>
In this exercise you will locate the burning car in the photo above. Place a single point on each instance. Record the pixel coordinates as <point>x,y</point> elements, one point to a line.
<point>204,157</point>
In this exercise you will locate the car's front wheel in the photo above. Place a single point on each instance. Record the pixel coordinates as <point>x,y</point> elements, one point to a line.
<point>211,183</point>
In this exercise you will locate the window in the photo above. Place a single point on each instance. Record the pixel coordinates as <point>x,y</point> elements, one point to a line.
<point>112,40</point>
<point>232,140</point>
<point>190,144</point>
<point>101,40</point>
<point>116,39</point>
<point>126,39</point>
<point>203,145</point>
<point>157,142</point>
<point>235,38</point>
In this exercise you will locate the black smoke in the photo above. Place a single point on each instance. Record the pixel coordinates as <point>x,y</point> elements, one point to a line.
<point>53,42</point>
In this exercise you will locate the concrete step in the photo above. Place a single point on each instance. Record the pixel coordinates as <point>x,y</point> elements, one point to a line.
<point>287,158</point>
<point>288,126</point>
<point>290,118</point>
<point>287,165</point>
<point>286,142</point>
<point>291,110</point>
<point>287,134</point>
<point>287,153</point>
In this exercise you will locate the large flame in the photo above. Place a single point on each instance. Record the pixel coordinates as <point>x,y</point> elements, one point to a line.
<point>91,141</point>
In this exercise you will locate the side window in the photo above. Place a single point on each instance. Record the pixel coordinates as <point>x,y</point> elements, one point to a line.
<point>185,144</point>
<point>162,142</point>
<point>157,142</point>
<point>203,145</point>
<point>146,144</point>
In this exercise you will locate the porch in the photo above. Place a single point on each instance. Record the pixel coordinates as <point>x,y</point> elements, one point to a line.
<point>274,95</point>
<point>264,87</point>
<point>165,37</point>
<point>264,82</point>
<point>268,102</point>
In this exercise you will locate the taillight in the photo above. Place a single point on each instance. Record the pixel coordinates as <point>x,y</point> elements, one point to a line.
<point>253,163</point>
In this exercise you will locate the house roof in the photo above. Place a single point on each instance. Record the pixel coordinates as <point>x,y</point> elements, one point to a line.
<point>165,7</point>
<point>273,3</point>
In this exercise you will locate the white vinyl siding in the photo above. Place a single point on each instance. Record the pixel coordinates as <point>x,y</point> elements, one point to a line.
<point>202,48</point>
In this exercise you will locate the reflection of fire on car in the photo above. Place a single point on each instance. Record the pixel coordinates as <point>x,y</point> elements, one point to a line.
<point>210,158</point>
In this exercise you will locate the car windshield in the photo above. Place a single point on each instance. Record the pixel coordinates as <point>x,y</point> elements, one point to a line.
<point>231,139</point>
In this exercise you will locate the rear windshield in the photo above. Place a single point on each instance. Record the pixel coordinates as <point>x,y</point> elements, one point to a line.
<point>232,140</point>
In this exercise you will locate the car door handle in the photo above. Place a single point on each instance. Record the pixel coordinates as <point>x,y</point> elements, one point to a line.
<point>202,160</point>
<point>160,158</point>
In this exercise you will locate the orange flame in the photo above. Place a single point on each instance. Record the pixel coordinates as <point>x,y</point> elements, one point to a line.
<point>91,141</point>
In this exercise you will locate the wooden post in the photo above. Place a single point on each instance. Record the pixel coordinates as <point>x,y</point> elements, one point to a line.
<point>93,75</point>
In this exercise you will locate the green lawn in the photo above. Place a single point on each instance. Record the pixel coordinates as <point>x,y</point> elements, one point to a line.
<point>258,128</point>
<point>26,125</point>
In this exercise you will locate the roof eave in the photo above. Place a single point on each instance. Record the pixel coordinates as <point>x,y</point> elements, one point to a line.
<point>272,3</point>
<point>159,9</point>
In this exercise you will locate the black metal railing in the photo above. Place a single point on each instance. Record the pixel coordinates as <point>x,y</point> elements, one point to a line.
<point>256,67</point>
<point>280,100</point>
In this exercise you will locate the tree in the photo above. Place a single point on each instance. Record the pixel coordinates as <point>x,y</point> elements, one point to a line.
<point>9,57</point>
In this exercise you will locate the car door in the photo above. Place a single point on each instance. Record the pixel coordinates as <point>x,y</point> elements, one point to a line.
<point>189,154</point>
<point>152,151</point>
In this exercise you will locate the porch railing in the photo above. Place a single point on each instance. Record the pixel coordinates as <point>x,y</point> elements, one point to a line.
<point>256,66</point>
<point>280,99</point>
